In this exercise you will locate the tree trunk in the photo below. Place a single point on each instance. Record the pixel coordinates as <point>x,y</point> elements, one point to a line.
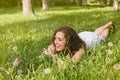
<point>105,2</point>
<point>19,3</point>
<point>28,8</point>
<point>45,5</point>
<point>79,2</point>
<point>116,5</point>
<point>67,1</point>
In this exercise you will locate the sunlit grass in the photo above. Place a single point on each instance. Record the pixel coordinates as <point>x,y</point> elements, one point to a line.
<point>25,37</point>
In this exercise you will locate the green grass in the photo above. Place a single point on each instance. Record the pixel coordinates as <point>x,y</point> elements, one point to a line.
<point>30,35</point>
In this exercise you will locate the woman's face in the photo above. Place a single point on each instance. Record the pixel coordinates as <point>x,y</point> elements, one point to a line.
<point>60,41</point>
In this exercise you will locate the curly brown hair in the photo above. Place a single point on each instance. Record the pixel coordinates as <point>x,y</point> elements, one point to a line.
<point>74,42</point>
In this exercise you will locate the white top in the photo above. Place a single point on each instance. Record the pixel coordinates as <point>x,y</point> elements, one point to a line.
<point>90,38</point>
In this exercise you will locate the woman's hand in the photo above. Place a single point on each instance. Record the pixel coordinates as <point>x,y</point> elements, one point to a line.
<point>50,50</point>
<point>77,56</point>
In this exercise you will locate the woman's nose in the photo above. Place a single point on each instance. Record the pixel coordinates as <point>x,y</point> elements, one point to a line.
<point>55,41</point>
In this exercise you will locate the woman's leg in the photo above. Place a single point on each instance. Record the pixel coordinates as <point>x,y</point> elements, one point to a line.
<point>105,33</point>
<point>104,30</point>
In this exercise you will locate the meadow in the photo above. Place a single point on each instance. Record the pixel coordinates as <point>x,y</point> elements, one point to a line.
<point>25,37</point>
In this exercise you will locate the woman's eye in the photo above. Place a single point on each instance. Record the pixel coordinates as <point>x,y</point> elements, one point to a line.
<point>60,39</point>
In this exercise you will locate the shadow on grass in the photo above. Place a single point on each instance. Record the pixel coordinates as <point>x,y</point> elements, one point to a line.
<point>74,7</point>
<point>10,10</point>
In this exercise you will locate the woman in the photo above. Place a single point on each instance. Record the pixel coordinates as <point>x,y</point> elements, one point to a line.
<point>65,38</point>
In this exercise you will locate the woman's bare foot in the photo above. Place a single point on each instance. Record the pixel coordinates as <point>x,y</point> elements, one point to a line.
<point>112,27</point>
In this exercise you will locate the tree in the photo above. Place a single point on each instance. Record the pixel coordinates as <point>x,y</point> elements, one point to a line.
<point>45,5</point>
<point>19,3</point>
<point>116,5</point>
<point>28,8</point>
<point>79,2</point>
<point>110,2</point>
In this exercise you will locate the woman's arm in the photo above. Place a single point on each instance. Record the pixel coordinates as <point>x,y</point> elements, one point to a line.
<point>77,56</point>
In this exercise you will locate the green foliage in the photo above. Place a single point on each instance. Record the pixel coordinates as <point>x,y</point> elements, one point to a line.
<point>6,3</point>
<point>4,75</point>
<point>36,3</point>
<point>25,37</point>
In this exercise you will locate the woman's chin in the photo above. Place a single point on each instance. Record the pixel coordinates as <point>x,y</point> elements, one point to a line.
<point>58,50</point>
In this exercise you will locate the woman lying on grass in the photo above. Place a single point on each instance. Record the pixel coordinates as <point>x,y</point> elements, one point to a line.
<point>66,39</point>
